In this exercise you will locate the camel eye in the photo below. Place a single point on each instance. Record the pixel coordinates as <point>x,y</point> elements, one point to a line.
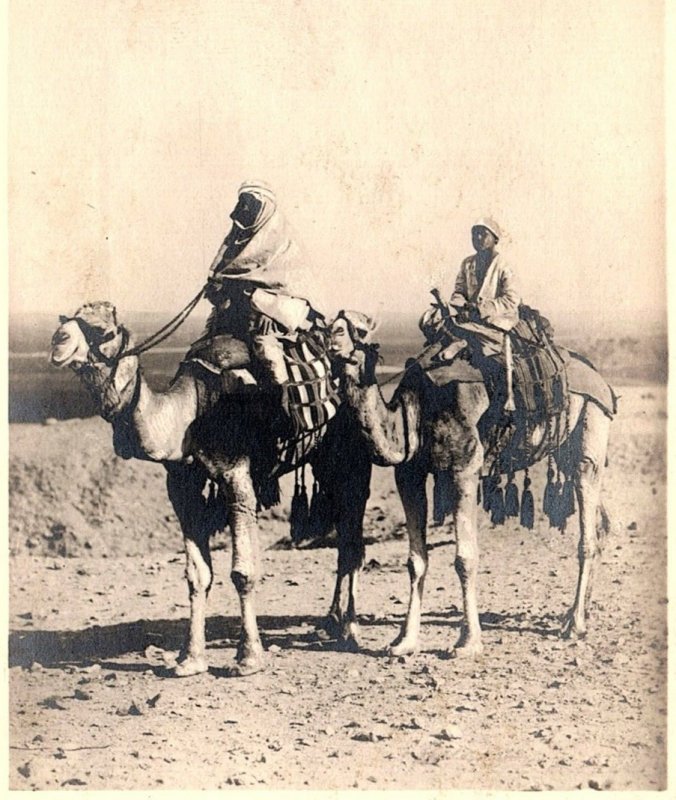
<point>60,336</point>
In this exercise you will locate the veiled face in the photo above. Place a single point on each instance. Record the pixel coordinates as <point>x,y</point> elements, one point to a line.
<point>245,213</point>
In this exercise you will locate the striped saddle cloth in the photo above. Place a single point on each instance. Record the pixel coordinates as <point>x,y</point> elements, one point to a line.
<point>310,393</point>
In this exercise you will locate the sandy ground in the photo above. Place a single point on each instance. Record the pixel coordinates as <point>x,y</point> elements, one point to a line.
<point>97,598</point>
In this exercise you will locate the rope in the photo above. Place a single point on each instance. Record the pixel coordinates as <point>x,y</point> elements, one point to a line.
<point>166,331</point>
<point>414,363</point>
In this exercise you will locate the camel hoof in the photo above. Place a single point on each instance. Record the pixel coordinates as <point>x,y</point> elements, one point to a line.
<point>572,630</point>
<point>467,651</point>
<point>247,666</point>
<point>402,647</point>
<point>349,638</point>
<point>190,666</point>
<point>348,644</point>
<point>328,630</point>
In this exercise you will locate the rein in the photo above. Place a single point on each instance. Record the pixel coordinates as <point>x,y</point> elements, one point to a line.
<point>164,332</point>
<point>413,363</point>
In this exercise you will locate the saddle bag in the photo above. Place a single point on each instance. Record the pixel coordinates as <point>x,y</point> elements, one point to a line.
<point>540,377</point>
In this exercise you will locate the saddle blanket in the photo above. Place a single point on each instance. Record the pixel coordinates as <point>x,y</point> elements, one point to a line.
<point>582,379</point>
<point>310,393</point>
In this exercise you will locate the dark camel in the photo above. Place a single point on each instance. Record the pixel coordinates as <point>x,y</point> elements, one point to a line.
<point>403,434</point>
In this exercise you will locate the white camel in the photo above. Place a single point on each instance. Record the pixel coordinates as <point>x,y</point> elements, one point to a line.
<point>234,444</point>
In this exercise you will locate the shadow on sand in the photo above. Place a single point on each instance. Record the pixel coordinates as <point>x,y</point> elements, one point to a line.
<point>52,648</point>
<point>83,647</point>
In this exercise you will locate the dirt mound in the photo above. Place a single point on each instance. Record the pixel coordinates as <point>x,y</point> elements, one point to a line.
<point>70,495</point>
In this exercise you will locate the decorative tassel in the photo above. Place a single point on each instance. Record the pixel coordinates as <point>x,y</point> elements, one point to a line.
<point>548,499</point>
<point>298,518</point>
<point>268,493</point>
<point>320,517</point>
<point>489,483</point>
<point>555,514</point>
<point>527,517</point>
<point>497,505</point>
<point>511,497</point>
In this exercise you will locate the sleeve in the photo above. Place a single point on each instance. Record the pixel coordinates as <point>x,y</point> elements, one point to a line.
<point>460,292</point>
<point>507,298</point>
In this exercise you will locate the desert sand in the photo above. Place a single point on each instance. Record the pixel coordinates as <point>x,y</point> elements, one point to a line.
<point>98,605</point>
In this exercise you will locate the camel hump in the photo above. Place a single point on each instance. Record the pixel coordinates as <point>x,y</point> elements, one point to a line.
<point>583,379</point>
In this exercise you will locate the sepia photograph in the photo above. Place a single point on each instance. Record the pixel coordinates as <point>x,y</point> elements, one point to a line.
<point>337,396</point>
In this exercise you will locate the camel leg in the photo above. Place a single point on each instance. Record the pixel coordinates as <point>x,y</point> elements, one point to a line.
<point>410,478</point>
<point>590,442</point>
<point>330,627</point>
<point>337,625</point>
<point>184,486</point>
<point>245,565</point>
<point>467,562</point>
<point>349,526</point>
<point>349,634</point>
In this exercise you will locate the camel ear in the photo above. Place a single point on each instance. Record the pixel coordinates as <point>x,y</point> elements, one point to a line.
<point>100,316</point>
<point>368,328</point>
<point>362,325</point>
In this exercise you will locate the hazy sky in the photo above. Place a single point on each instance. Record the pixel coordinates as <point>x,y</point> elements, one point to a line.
<point>386,127</point>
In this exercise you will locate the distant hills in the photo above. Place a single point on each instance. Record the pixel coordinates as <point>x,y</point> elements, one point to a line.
<point>32,333</point>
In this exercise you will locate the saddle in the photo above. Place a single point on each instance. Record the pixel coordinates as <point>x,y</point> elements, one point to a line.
<point>540,378</point>
<point>309,395</point>
<point>540,367</point>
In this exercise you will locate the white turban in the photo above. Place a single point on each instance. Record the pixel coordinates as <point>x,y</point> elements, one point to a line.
<point>490,225</point>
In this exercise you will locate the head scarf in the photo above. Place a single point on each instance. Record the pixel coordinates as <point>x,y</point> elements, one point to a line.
<point>264,194</point>
<point>272,259</point>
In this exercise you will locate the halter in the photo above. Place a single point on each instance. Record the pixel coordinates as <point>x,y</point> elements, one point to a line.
<point>94,342</point>
<point>110,398</point>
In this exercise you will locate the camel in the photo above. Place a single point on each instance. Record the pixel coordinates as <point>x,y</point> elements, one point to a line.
<point>235,446</point>
<point>406,432</point>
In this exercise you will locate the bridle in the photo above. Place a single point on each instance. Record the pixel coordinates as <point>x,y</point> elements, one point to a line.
<point>95,356</point>
<point>104,392</point>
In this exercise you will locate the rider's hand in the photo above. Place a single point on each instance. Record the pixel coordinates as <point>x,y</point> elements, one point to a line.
<point>213,288</point>
<point>464,314</point>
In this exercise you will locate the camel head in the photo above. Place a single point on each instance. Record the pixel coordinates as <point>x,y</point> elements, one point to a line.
<point>351,348</point>
<point>91,343</point>
<point>90,335</point>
